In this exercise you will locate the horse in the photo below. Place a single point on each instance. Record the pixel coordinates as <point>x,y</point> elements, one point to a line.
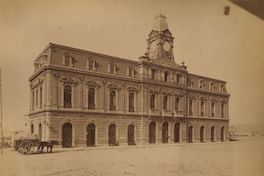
<point>49,145</point>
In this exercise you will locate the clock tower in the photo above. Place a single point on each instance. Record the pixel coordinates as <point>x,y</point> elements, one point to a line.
<point>160,41</point>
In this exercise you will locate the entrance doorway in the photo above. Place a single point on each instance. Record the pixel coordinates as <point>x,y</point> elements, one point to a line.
<point>67,135</point>
<point>90,138</point>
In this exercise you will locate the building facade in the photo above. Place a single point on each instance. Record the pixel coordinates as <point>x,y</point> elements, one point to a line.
<point>82,98</point>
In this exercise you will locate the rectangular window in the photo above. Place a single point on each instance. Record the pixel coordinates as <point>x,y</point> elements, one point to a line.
<point>178,78</point>
<point>202,108</point>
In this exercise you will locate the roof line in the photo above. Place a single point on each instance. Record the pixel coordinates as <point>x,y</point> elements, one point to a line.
<point>90,52</point>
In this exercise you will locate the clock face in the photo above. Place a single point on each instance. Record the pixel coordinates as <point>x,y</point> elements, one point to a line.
<point>166,46</point>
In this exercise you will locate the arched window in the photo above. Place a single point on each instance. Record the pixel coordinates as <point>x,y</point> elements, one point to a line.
<point>213,109</point>
<point>40,97</point>
<point>32,128</point>
<point>112,101</point>
<point>202,108</point>
<point>165,102</point>
<point>40,131</point>
<point>91,98</point>
<point>33,99</point>
<point>222,109</point>
<point>67,96</point>
<point>131,102</point>
<point>152,101</point>
<point>166,76</point>
<point>67,59</point>
<point>190,107</point>
<point>36,98</point>
<point>177,103</point>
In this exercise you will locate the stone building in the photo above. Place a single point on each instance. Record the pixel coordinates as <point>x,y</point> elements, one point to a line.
<point>82,98</point>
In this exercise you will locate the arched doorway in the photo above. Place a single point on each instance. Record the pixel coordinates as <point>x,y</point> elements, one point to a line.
<point>212,134</point>
<point>152,132</point>
<point>40,131</point>
<point>177,132</point>
<point>67,135</point>
<point>223,134</point>
<point>112,134</point>
<point>190,134</point>
<point>131,135</point>
<point>90,138</point>
<point>202,134</point>
<point>165,135</point>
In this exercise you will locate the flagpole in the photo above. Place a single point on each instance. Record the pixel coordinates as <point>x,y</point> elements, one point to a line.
<point>1,114</point>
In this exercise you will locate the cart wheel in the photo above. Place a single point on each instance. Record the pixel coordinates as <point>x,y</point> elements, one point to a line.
<point>21,148</point>
<point>29,148</point>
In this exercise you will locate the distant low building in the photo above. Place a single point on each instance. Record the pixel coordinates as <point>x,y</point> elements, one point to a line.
<point>82,98</point>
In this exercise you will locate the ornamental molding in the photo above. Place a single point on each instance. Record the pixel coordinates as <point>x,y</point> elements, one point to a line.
<point>114,87</point>
<point>92,83</point>
<point>68,80</point>
<point>132,89</point>
<point>38,82</point>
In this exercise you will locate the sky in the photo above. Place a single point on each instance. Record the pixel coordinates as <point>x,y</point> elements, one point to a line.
<point>229,48</point>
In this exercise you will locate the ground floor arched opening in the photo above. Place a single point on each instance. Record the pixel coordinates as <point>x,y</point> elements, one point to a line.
<point>112,135</point>
<point>212,134</point>
<point>190,134</point>
<point>131,135</point>
<point>202,134</point>
<point>165,134</point>
<point>67,135</point>
<point>177,132</point>
<point>223,134</point>
<point>152,132</point>
<point>90,137</point>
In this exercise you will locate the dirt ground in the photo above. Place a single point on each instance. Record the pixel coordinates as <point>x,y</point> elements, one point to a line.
<point>242,158</point>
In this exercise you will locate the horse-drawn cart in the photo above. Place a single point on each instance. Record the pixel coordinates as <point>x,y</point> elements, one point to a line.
<point>29,146</point>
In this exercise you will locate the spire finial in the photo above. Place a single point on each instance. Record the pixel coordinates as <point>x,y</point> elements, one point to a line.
<point>160,23</point>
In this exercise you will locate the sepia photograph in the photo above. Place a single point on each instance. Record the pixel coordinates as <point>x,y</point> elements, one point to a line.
<point>131,87</point>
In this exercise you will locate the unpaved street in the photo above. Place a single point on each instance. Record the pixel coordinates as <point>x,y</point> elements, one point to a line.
<point>243,158</point>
